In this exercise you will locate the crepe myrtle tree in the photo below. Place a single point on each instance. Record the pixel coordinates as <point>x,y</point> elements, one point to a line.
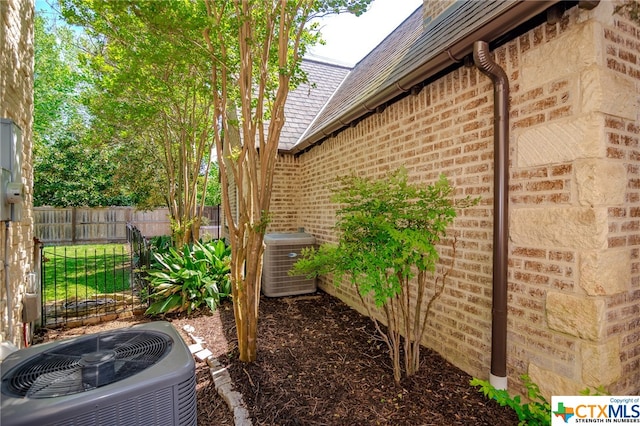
<point>389,230</point>
<point>150,103</point>
<point>256,48</point>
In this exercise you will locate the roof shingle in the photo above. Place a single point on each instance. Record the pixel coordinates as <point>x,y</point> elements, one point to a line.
<point>416,50</point>
<point>307,100</point>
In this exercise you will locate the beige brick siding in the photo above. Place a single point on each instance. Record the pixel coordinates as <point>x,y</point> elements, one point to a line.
<point>433,8</point>
<point>574,252</point>
<point>16,103</point>
<point>285,196</point>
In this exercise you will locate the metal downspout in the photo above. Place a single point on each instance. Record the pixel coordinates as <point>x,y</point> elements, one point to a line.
<point>482,59</point>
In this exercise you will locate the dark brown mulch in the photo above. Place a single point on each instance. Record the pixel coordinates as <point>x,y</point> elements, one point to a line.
<point>321,363</point>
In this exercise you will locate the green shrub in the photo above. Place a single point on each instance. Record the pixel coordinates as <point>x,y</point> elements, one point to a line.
<point>537,412</point>
<point>599,391</point>
<point>186,281</point>
<point>389,230</point>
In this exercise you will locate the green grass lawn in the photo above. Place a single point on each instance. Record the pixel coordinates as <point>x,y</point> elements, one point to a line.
<point>83,271</point>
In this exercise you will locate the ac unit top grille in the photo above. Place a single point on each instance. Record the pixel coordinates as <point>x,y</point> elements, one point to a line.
<point>86,363</point>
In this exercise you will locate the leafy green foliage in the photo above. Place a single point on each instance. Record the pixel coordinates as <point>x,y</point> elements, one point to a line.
<point>388,231</point>
<point>187,280</point>
<point>68,169</point>
<point>57,80</point>
<point>71,172</point>
<point>152,104</point>
<point>599,391</point>
<point>213,193</point>
<point>537,412</point>
<point>160,243</point>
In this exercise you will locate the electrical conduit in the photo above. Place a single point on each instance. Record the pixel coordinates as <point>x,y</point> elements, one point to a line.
<point>482,59</point>
<point>7,282</point>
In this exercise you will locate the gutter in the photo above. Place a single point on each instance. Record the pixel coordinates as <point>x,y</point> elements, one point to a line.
<point>519,12</point>
<point>482,59</point>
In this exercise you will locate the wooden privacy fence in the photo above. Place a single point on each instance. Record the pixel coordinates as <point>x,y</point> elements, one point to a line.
<point>77,225</point>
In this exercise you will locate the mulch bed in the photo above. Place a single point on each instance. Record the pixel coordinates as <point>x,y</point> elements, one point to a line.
<point>321,363</point>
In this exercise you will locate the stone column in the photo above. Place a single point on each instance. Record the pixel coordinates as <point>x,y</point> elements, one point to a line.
<point>598,184</point>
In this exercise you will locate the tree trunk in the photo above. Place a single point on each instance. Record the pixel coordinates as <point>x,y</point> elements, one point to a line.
<point>247,281</point>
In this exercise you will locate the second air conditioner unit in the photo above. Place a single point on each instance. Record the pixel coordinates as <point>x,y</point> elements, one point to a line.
<point>281,251</point>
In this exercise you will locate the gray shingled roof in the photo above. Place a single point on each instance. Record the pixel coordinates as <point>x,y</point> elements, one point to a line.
<point>415,51</point>
<point>379,68</point>
<point>307,100</point>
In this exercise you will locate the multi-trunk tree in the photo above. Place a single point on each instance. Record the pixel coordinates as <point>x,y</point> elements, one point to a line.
<point>389,233</point>
<point>256,48</point>
<point>152,102</point>
<point>186,75</point>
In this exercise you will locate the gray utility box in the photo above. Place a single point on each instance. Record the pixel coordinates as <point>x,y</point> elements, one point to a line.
<point>280,253</point>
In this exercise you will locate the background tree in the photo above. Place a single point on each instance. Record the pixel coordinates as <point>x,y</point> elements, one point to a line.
<point>213,194</point>
<point>55,80</point>
<point>68,170</point>
<point>152,101</point>
<point>74,173</point>
<point>256,48</point>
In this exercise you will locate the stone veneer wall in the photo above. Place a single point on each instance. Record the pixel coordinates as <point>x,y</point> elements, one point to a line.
<point>16,103</point>
<point>574,255</point>
<point>574,227</point>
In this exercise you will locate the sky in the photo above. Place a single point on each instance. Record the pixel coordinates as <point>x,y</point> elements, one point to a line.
<point>350,38</point>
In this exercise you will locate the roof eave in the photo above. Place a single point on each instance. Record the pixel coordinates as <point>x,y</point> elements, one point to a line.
<point>519,13</point>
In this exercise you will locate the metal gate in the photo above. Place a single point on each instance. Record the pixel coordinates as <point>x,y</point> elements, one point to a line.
<point>84,284</point>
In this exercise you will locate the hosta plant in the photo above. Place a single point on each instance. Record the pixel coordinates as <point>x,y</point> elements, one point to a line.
<point>190,279</point>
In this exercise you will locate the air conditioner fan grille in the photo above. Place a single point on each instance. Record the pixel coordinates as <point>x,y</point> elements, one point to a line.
<point>86,363</point>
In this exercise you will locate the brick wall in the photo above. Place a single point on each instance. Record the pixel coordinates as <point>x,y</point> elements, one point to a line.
<point>622,136</point>
<point>16,96</point>
<point>286,192</point>
<point>574,268</point>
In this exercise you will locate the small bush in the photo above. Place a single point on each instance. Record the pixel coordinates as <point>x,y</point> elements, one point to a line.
<point>389,232</point>
<point>537,412</point>
<point>186,281</point>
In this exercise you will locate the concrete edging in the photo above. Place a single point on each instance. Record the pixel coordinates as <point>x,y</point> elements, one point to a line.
<point>221,379</point>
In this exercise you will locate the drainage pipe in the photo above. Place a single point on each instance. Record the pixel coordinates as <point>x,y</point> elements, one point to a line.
<point>482,59</point>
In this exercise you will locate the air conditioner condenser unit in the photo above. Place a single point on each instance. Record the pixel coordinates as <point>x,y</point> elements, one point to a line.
<point>281,251</point>
<point>140,375</point>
